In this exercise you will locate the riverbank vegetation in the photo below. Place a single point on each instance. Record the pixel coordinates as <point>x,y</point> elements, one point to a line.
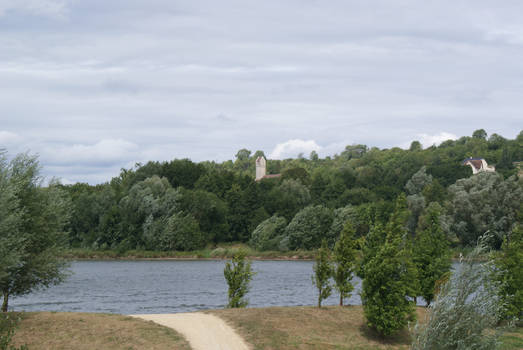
<point>180,205</point>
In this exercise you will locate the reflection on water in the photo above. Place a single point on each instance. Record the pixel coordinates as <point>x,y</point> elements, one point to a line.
<point>132,287</point>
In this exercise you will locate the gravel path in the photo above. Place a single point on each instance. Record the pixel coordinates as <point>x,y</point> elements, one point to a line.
<point>202,331</point>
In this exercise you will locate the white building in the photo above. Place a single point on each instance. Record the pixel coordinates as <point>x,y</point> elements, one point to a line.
<point>261,170</point>
<point>478,165</point>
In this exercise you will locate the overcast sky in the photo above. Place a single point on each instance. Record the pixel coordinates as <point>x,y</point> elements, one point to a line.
<point>93,86</point>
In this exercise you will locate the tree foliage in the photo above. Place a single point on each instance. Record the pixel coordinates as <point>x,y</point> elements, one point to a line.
<point>322,272</point>
<point>34,233</point>
<point>484,203</point>
<point>361,183</point>
<point>238,274</point>
<point>431,254</point>
<point>466,312</point>
<point>345,262</point>
<point>510,266</point>
<point>389,279</point>
<point>268,233</point>
<point>308,227</point>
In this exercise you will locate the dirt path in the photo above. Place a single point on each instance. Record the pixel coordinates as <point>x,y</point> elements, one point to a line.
<point>202,331</point>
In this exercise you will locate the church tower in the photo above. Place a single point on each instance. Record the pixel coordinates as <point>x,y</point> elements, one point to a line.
<point>261,168</point>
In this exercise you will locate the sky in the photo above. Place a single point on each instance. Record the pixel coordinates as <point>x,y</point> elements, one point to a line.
<point>95,86</point>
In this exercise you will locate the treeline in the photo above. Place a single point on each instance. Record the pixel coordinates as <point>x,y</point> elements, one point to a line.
<point>182,205</point>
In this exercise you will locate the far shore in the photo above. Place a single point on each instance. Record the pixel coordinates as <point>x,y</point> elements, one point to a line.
<point>188,258</point>
<point>220,253</point>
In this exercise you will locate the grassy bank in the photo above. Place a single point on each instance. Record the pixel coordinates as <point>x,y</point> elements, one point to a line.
<point>282,328</point>
<point>85,331</point>
<point>222,251</point>
<point>308,328</point>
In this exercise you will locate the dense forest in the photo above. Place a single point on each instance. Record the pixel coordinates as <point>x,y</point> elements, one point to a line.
<point>182,205</point>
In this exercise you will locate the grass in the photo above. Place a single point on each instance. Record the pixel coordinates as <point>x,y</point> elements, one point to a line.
<point>332,327</point>
<point>222,251</point>
<point>309,328</point>
<point>513,340</point>
<point>86,331</point>
<point>282,328</point>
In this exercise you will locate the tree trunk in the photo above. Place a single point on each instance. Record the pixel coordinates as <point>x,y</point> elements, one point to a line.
<point>341,300</point>
<point>319,301</point>
<point>6,300</point>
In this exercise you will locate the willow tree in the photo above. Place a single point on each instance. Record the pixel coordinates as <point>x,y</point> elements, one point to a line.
<point>32,229</point>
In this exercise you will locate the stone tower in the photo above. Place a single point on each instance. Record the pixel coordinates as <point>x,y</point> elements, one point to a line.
<point>261,168</point>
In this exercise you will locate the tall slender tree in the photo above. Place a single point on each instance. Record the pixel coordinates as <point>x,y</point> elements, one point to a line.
<point>431,252</point>
<point>238,274</point>
<point>510,265</point>
<point>345,260</point>
<point>389,279</point>
<point>322,272</point>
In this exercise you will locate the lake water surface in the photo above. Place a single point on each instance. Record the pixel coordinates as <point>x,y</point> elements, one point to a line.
<point>166,286</point>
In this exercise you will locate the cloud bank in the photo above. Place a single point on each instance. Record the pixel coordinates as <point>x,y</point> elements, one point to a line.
<point>93,86</point>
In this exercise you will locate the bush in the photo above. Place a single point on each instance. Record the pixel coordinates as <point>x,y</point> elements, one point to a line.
<point>309,227</point>
<point>8,324</point>
<point>268,234</point>
<point>466,312</point>
<point>238,274</point>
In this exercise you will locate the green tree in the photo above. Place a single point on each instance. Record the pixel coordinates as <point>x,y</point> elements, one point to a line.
<point>431,252</point>
<point>268,234</point>
<point>309,227</point>
<point>510,264</point>
<point>389,279</point>
<point>373,242</point>
<point>345,262</point>
<point>466,312</point>
<point>243,154</point>
<point>480,134</point>
<point>483,202</point>
<point>238,274</point>
<point>180,232</point>
<point>322,272</point>
<point>40,217</point>
<point>288,198</point>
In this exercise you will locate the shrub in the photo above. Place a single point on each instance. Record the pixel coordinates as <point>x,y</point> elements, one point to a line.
<point>8,324</point>
<point>238,274</point>
<point>466,312</point>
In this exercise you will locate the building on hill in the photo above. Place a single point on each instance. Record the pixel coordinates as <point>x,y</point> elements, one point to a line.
<point>261,170</point>
<point>478,165</point>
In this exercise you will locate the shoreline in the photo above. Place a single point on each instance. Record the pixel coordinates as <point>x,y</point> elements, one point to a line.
<point>130,258</point>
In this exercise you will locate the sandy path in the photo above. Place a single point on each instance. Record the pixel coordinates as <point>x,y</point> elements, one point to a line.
<point>202,331</point>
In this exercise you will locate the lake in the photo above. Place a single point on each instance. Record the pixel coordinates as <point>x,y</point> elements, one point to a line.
<point>168,286</point>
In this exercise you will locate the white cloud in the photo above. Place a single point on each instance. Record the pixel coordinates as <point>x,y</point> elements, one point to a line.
<point>8,138</point>
<point>294,147</point>
<point>104,152</point>
<point>51,8</point>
